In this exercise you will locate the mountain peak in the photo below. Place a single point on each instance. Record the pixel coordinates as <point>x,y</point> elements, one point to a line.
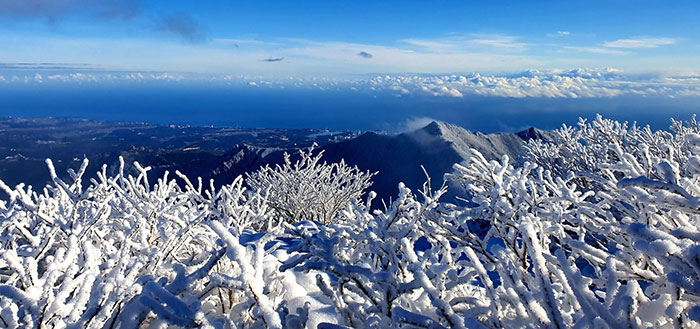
<point>453,133</point>
<point>439,128</point>
<point>533,133</point>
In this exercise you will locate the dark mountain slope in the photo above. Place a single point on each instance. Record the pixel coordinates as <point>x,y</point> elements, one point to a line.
<point>225,153</point>
<point>436,147</point>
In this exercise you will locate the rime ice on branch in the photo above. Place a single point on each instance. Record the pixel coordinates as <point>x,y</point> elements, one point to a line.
<point>597,229</point>
<point>308,189</point>
<point>122,253</point>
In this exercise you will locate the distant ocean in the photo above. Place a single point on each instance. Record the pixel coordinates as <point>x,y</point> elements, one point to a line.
<point>302,108</point>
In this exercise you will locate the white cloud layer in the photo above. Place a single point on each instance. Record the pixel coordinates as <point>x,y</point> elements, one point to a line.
<point>579,83</point>
<point>640,43</point>
<point>576,83</point>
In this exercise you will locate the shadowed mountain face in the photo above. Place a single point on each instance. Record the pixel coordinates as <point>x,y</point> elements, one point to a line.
<point>397,158</point>
<point>437,147</point>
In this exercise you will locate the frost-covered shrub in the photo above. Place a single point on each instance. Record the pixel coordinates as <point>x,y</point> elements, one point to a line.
<point>379,274</point>
<point>120,254</point>
<point>590,147</point>
<point>618,250</point>
<point>608,239</point>
<point>600,229</point>
<point>308,189</point>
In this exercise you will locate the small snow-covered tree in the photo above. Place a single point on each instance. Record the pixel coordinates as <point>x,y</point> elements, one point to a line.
<point>308,189</point>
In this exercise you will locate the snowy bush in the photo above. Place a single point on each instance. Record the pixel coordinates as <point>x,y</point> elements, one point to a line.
<point>598,229</point>
<point>120,253</point>
<point>620,250</point>
<point>375,276</point>
<point>607,239</point>
<point>308,189</point>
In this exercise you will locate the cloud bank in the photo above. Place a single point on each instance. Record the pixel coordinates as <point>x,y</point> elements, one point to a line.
<point>575,83</point>
<point>578,83</point>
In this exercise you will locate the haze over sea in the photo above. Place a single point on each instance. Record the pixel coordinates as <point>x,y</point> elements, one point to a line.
<point>249,107</point>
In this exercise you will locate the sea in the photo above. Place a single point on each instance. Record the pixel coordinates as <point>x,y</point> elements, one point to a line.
<point>245,107</point>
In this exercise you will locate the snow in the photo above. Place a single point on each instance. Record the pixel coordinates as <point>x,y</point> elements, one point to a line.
<point>598,228</point>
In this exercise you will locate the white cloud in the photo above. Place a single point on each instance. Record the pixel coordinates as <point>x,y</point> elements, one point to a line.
<point>136,76</point>
<point>640,43</point>
<point>559,34</point>
<point>454,53</point>
<point>435,45</point>
<point>498,41</point>
<point>167,77</point>
<point>578,83</point>
<point>596,50</point>
<point>472,42</point>
<point>75,77</point>
<point>302,57</point>
<point>433,56</point>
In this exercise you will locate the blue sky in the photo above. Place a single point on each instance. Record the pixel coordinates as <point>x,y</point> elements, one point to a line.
<point>487,65</point>
<point>341,38</point>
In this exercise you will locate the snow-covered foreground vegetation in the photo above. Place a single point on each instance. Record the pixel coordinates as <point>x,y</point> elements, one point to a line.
<point>596,229</point>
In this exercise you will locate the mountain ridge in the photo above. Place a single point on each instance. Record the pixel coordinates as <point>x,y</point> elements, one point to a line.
<point>223,154</point>
<point>435,147</point>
